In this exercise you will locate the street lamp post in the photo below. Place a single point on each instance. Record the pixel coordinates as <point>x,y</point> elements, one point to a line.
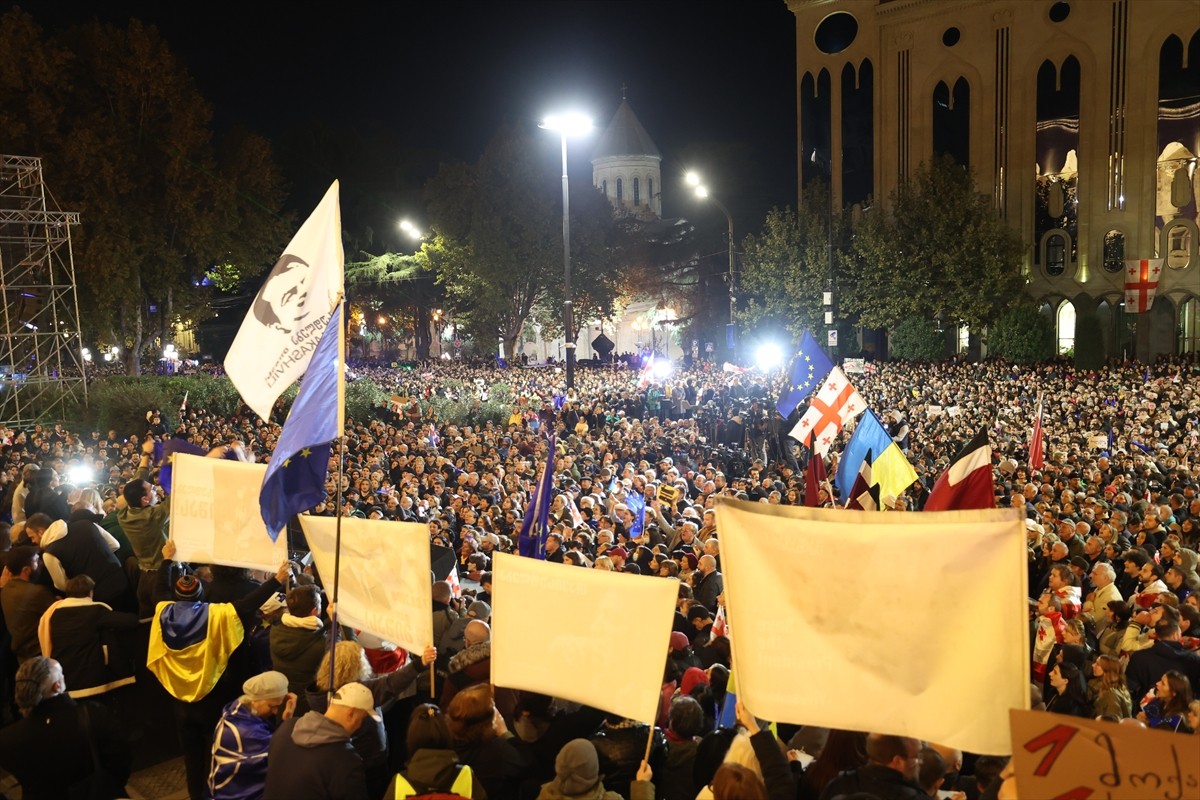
<point>702,192</point>
<point>567,125</point>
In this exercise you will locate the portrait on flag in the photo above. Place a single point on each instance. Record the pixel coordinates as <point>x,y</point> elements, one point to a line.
<point>573,635</point>
<point>291,310</point>
<point>930,640</point>
<point>384,583</point>
<point>215,517</point>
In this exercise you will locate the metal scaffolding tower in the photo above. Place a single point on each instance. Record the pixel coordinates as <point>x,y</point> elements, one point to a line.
<point>41,349</point>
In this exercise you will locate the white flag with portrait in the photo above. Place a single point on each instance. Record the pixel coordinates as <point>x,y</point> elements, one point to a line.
<point>290,311</point>
<point>383,580</point>
<point>553,632</point>
<point>923,632</point>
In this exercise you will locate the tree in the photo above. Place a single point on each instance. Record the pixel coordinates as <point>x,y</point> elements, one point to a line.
<point>917,339</point>
<point>941,253</point>
<point>401,285</point>
<point>785,269</point>
<point>1022,335</point>
<point>502,225</point>
<point>126,141</point>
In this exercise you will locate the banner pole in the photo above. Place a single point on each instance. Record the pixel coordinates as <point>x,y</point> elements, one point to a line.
<point>341,451</point>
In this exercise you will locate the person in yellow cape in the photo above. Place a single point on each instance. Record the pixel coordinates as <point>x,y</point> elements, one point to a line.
<point>191,644</point>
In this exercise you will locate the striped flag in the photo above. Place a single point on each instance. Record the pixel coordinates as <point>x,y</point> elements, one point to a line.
<point>864,494</point>
<point>1036,458</point>
<point>967,482</point>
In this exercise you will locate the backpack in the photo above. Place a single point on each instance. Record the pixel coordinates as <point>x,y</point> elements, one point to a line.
<point>460,789</point>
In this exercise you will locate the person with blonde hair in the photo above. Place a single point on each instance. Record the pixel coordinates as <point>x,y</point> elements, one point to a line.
<point>350,665</point>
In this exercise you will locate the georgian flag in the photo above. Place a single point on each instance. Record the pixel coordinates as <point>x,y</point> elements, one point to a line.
<point>835,404</point>
<point>1141,281</point>
<point>967,482</point>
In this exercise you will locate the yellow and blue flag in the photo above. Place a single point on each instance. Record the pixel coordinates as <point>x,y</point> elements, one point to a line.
<point>809,368</point>
<point>890,469</point>
<point>190,645</point>
<point>295,478</point>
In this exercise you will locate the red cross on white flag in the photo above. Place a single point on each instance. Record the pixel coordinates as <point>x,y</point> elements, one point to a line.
<point>834,405</point>
<point>1141,281</point>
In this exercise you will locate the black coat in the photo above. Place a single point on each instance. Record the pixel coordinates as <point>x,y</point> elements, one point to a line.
<point>621,749</point>
<point>1147,666</point>
<point>882,782</point>
<point>50,755</point>
<point>86,640</point>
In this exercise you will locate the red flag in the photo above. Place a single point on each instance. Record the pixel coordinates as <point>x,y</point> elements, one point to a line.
<point>814,476</point>
<point>1141,281</point>
<point>967,482</point>
<point>1035,441</point>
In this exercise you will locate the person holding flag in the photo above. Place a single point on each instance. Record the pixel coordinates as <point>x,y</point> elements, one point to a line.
<point>1036,458</point>
<point>531,541</point>
<point>967,482</point>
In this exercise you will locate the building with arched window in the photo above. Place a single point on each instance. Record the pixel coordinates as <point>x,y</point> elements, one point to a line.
<point>627,159</point>
<point>1081,118</point>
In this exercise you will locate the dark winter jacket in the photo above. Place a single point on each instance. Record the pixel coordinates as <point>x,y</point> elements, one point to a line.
<point>621,747</point>
<point>84,637</point>
<point>311,757</point>
<point>297,651</point>
<point>883,782</point>
<point>82,549</point>
<point>431,771</point>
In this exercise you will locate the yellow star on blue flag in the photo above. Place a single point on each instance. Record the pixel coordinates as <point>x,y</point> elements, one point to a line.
<point>808,369</point>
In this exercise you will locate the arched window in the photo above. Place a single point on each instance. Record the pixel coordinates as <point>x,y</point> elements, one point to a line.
<point>1056,254</point>
<point>1189,326</point>
<point>1114,251</point>
<point>650,192</point>
<point>620,192</point>
<point>1066,327</point>
<point>637,193</point>
<point>604,184</point>
<point>1179,246</point>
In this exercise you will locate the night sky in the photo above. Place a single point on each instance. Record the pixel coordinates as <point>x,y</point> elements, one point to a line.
<point>712,82</point>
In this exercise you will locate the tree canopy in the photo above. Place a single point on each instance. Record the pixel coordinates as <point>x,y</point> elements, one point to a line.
<point>941,252</point>
<point>167,210</point>
<point>501,221</point>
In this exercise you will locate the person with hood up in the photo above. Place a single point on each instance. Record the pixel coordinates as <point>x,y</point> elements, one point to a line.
<point>311,757</point>
<point>577,776</point>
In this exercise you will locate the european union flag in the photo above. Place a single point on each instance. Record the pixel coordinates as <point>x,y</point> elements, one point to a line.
<point>295,479</point>
<point>636,504</point>
<point>808,370</point>
<point>531,541</point>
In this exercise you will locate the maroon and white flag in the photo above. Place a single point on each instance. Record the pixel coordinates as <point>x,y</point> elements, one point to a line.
<point>1141,281</point>
<point>967,482</point>
<point>835,404</point>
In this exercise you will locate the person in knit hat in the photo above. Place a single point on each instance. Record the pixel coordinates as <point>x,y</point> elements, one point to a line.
<point>577,777</point>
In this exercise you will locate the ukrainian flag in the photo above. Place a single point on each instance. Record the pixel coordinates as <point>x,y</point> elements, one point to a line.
<point>190,645</point>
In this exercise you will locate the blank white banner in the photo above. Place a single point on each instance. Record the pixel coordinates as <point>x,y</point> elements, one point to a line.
<point>555,628</point>
<point>215,516</point>
<point>384,585</point>
<point>912,624</point>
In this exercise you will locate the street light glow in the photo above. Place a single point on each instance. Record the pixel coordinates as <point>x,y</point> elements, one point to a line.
<point>410,229</point>
<point>769,356</point>
<point>692,179</point>
<point>702,191</point>
<point>570,124</point>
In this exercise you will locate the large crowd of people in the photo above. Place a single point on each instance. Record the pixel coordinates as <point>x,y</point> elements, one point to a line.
<point>271,699</point>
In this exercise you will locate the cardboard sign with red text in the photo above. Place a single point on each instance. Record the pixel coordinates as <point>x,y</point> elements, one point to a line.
<point>1057,757</point>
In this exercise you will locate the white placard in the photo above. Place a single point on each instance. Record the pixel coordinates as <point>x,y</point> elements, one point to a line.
<point>215,516</point>
<point>932,640</point>
<point>383,583</point>
<point>551,626</point>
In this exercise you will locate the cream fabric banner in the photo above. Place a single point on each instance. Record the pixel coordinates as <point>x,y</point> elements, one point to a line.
<point>912,624</point>
<point>553,632</point>
<point>215,518</point>
<point>384,585</point>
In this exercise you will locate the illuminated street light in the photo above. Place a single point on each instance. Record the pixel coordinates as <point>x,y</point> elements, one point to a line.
<point>570,124</point>
<point>412,230</point>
